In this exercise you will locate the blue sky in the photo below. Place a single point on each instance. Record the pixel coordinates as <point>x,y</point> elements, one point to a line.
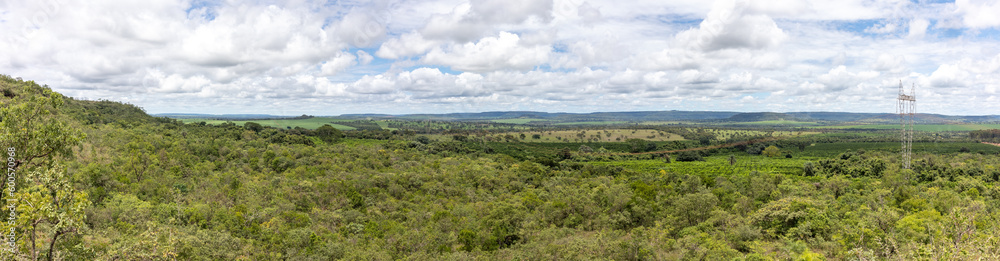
<point>397,57</point>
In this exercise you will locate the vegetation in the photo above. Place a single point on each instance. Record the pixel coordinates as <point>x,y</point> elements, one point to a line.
<point>104,181</point>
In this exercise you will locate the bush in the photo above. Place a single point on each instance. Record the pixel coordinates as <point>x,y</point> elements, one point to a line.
<point>771,151</point>
<point>809,168</point>
<point>689,156</point>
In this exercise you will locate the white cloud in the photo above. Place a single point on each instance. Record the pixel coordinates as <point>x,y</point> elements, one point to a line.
<point>729,25</point>
<point>979,13</point>
<point>890,63</point>
<point>918,28</point>
<point>883,28</point>
<point>407,45</point>
<point>503,52</point>
<point>337,64</point>
<point>364,58</point>
<point>948,75</point>
<point>472,55</point>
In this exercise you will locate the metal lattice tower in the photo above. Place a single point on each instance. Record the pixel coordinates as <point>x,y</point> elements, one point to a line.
<point>904,107</point>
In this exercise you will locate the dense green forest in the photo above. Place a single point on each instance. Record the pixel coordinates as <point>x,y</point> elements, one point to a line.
<point>102,180</point>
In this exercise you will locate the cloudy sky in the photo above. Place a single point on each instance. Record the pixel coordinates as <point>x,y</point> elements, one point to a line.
<point>396,56</point>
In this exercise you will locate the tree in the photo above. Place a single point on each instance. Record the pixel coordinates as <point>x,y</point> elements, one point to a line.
<point>689,156</point>
<point>695,207</point>
<point>771,151</point>
<point>256,127</point>
<point>52,209</point>
<point>34,133</point>
<point>640,145</point>
<point>564,154</point>
<point>30,123</point>
<point>328,133</point>
<point>808,168</point>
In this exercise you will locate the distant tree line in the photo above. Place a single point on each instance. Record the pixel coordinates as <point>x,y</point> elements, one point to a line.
<point>991,135</point>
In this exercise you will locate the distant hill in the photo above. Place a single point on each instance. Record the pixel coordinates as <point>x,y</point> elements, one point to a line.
<point>832,116</point>
<point>630,116</point>
<point>637,116</point>
<point>927,118</point>
<point>761,116</point>
<point>223,116</point>
<point>563,116</point>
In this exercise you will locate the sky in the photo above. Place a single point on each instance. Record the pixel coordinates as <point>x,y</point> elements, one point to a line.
<point>401,57</point>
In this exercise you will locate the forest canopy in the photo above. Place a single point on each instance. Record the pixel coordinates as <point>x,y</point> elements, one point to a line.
<point>102,180</point>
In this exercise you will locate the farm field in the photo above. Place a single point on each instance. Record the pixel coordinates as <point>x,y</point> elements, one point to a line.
<point>918,127</point>
<point>777,122</point>
<point>724,134</point>
<point>519,121</point>
<point>591,135</point>
<point>585,123</point>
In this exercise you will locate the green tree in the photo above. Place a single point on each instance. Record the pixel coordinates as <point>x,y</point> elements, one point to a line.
<point>30,124</point>
<point>695,207</point>
<point>48,209</point>
<point>256,127</point>
<point>34,133</point>
<point>328,133</point>
<point>808,168</point>
<point>771,151</point>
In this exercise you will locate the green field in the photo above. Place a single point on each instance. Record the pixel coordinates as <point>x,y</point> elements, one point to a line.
<point>382,124</point>
<point>723,134</point>
<point>717,165</point>
<point>311,123</point>
<point>918,127</point>
<point>778,122</point>
<point>518,121</point>
<point>592,123</point>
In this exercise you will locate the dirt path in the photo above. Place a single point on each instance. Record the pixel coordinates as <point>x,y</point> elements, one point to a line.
<point>994,144</point>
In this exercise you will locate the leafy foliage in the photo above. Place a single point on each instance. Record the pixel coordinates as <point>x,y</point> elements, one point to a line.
<point>148,188</point>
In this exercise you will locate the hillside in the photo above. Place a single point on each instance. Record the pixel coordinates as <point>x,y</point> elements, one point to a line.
<point>101,180</point>
<point>761,116</point>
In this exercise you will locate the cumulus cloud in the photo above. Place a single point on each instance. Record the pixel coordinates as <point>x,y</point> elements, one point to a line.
<point>979,13</point>
<point>839,79</point>
<point>918,28</point>
<point>503,52</point>
<point>948,75</point>
<point>475,55</point>
<point>469,21</point>
<point>730,25</point>
<point>337,64</point>
<point>406,45</point>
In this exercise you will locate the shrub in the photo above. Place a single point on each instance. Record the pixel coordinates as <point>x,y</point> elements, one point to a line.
<point>689,156</point>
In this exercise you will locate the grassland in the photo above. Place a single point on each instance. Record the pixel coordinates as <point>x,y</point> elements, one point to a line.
<point>918,127</point>
<point>595,123</point>
<point>778,122</point>
<point>609,135</point>
<point>723,134</point>
<point>717,165</point>
<point>518,121</point>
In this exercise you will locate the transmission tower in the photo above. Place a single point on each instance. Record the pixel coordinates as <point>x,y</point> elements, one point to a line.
<point>904,107</point>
